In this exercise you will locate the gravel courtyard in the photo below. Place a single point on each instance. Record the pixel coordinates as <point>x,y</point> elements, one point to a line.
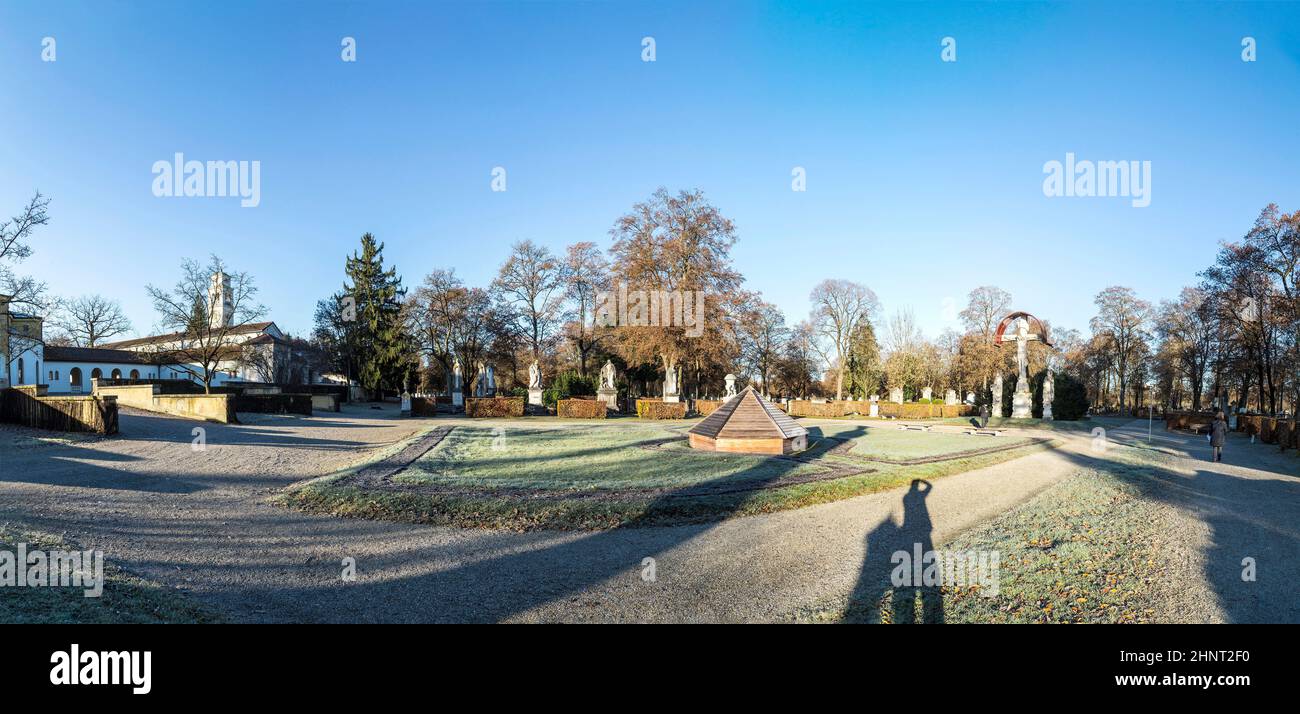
<point>201,521</point>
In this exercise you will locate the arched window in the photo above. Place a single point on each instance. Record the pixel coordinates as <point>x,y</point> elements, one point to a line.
<point>21,379</point>
<point>75,377</point>
<point>96,374</point>
<point>117,374</point>
<point>135,374</point>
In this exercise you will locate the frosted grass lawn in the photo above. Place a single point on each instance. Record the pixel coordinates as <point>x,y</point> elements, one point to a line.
<point>521,476</point>
<point>890,442</point>
<point>583,458</point>
<point>1087,550</point>
<point>126,598</point>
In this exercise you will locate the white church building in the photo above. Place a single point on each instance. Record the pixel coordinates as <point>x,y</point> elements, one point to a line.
<point>256,352</point>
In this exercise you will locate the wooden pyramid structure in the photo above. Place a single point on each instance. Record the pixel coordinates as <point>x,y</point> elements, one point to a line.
<point>748,423</point>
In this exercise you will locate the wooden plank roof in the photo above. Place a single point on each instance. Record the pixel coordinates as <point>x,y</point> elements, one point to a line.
<point>748,416</point>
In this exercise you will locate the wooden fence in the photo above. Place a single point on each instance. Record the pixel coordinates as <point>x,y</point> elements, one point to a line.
<point>96,415</point>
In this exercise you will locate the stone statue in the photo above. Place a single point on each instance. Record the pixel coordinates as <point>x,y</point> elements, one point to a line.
<point>1022,339</point>
<point>670,385</point>
<point>457,383</point>
<point>535,385</point>
<point>607,392</point>
<point>731,385</point>
<point>1049,395</point>
<point>997,396</point>
<point>1022,402</point>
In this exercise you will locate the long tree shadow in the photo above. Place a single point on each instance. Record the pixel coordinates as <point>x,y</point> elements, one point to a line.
<point>547,567</point>
<point>1252,560</point>
<point>898,550</point>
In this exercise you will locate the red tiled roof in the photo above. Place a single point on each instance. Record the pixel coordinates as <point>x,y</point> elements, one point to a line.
<point>93,354</point>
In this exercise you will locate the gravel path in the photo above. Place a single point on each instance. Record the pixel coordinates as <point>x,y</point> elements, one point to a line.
<point>200,520</point>
<point>1220,514</point>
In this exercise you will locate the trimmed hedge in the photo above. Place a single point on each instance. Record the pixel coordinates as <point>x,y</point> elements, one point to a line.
<point>1187,421</point>
<point>494,407</point>
<point>910,410</point>
<point>580,409</point>
<point>921,410</point>
<point>658,409</point>
<point>424,406</point>
<point>705,407</point>
<point>274,403</point>
<point>805,408</point>
<point>1268,430</point>
<point>1286,433</point>
<point>1249,424</point>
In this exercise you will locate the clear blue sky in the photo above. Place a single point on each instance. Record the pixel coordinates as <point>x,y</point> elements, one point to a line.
<point>924,177</point>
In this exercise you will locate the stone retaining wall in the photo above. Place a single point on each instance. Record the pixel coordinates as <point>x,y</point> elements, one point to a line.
<point>325,402</point>
<point>208,407</point>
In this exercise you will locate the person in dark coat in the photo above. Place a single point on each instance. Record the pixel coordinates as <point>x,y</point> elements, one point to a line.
<point>1218,435</point>
<point>984,416</point>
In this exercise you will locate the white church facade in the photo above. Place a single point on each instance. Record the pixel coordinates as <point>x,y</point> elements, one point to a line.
<point>256,352</point>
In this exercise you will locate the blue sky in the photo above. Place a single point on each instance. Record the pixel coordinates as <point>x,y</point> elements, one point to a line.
<point>924,178</point>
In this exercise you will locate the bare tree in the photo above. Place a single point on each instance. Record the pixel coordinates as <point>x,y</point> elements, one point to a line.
<point>1187,329</point>
<point>839,307</point>
<point>454,323</point>
<point>797,362</point>
<point>985,307</point>
<point>762,334</point>
<point>531,286</point>
<point>907,355</point>
<point>586,275</point>
<point>90,320</point>
<point>434,312</point>
<point>23,291</point>
<point>475,324</point>
<point>1122,317</point>
<point>203,340</point>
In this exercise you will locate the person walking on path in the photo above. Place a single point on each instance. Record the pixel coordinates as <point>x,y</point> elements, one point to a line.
<point>1218,435</point>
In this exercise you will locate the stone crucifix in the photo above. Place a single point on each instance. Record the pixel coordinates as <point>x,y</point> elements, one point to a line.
<point>1022,401</point>
<point>1022,338</point>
